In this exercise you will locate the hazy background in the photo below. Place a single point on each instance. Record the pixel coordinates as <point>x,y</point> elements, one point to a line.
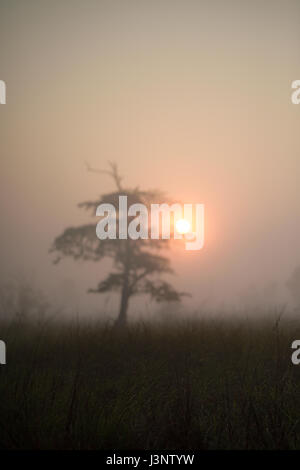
<point>191,97</point>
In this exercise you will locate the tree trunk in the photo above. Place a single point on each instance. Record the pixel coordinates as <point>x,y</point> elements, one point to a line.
<point>122,318</point>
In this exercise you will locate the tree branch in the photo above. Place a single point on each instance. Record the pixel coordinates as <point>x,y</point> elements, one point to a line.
<point>113,173</point>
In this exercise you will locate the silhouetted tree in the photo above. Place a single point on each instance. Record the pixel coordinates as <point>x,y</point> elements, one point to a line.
<point>137,262</point>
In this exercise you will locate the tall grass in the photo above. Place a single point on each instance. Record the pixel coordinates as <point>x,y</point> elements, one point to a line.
<point>195,384</point>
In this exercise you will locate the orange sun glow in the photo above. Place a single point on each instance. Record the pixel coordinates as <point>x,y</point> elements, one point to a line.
<point>183,226</point>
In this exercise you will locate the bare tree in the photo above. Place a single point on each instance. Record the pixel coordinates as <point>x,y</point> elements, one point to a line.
<point>137,263</point>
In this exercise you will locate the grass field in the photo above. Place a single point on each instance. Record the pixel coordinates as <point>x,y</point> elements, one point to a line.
<point>195,384</point>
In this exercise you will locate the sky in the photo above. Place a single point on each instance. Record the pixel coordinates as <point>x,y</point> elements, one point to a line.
<point>190,97</point>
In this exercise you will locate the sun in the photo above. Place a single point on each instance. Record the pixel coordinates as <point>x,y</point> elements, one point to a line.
<point>183,226</point>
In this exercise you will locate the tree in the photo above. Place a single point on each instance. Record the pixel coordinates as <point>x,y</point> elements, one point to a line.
<point>137,263</point>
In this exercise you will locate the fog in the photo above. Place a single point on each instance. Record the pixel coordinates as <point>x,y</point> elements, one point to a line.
<point>189,97</point>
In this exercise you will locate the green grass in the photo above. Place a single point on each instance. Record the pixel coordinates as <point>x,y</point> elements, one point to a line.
<point>197,384</point>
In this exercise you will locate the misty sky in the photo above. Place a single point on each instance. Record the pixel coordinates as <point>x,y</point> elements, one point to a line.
<point>191,97</point>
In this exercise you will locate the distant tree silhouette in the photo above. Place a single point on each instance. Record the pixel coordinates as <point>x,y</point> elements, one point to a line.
<point>137,263</point>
